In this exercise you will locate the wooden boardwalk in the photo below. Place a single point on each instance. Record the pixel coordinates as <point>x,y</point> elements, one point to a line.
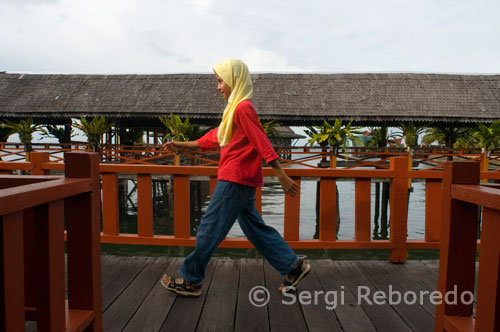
<point>134,300</point>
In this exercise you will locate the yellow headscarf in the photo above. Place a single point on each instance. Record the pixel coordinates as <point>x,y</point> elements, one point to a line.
<point>235,74</point>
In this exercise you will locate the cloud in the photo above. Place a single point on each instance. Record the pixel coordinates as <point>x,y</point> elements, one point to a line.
<point>259,60</point>
<point>153,36</point>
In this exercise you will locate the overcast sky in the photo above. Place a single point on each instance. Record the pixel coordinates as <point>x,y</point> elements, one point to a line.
<point>182,36</point>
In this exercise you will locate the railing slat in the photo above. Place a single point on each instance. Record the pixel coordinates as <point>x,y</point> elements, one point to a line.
<point>50,283</point>
<point>181,206</point>
<point>258,199</point>
<point>362,211</point>
<point>433,206</point>
<point>328,210</point>
<point>398,198</point>
<point>12,273</point>
<point>144,205</point>
<point>292,215</point>
<point>110,211</point>
<point>488,289</point>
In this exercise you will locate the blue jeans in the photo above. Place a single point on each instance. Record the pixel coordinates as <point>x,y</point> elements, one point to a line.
<point>231,201</point>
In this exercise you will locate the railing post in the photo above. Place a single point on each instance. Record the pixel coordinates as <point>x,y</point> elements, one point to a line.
<point>457,256</point>
<point>362,218</point>
<point>83,231</point>
<point>110,211</point>
<point>181,206</point>
<point>398,201</point>
<point>292,215</point>
<point>328,209</point>
<point>144,205</point>
<point>433,210</point>
<point>37,159</point>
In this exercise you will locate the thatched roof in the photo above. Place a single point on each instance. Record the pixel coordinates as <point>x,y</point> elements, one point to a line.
<point>292,99</point>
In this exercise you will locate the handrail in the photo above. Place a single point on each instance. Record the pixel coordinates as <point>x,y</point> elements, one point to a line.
<point>326,177</point>
<point>462,196</point>
<point>354,157</point>
<point>33,212</point>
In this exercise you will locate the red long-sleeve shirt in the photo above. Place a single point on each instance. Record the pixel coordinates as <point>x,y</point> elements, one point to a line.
<point>241,159</point>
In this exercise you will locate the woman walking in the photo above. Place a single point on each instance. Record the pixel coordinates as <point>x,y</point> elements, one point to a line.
<point>243,144</point>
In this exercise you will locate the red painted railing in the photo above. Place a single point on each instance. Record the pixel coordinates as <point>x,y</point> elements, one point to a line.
<point>462,197</point>
<point>33,212</point>
<point>398,175</point>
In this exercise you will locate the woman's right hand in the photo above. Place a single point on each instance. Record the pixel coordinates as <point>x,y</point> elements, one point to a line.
<point>173,146</point>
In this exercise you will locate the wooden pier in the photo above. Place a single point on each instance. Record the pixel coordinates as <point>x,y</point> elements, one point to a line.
<point>134,300</point>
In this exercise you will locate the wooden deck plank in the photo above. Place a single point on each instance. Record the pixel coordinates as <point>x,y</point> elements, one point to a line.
<point>349,313</point>
<point>119,272</point>
<point>282,317</point>
<point>248,316</point>
<point>409,279</point>
<point>123,308</point>
<point>383,317</point>
<point>154,309</point>
<point>185,313</point>
<point>135,301</point>
<point>220,304</point>
<point>315,306</point>
<point>413,314</point>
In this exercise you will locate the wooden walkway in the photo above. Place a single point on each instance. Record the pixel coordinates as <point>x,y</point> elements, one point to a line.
<point>134,300</point>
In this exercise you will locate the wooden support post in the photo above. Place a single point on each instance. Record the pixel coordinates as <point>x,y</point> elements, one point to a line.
<point>37,159</point>
<point>362,209</point>
<point>433,210</point>
<point>110,210</point>
<point>457,257</point>
<point>144,205</point>
<point>12,273</point>
<point>398,210</point>
<point>181,206</point>
<point>292,215</point>
<point>83,230</point>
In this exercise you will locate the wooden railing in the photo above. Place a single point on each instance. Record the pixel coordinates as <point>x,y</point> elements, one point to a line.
<point>305,156</point>
<point>462,197</point>
<point>398,175</point>
<point>33,212</point>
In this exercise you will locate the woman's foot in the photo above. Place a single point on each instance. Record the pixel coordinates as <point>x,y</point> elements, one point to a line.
<point>180,286</point>
<point>299,272</point>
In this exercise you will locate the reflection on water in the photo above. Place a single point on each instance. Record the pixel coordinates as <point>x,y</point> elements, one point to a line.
<point>272,208</point>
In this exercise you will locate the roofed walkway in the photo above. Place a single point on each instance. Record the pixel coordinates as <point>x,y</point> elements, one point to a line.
<point>133,299</point>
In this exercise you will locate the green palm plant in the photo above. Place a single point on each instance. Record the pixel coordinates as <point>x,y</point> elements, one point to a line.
<point>452,137</point>
<point>488,137</point>
<point>93,129</point>
<point>129,136</point>
<point>178,130</point>
<point>25,129</point>
<point>410,133</point>
<point>59,132</point>
<point>336,135</point>
<point>380,136</point>
<point>5,132</point>
<point>270,128</point>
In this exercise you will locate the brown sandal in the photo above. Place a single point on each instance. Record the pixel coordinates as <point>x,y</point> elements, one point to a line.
<point>181,286</point>
<point>298,273</point>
